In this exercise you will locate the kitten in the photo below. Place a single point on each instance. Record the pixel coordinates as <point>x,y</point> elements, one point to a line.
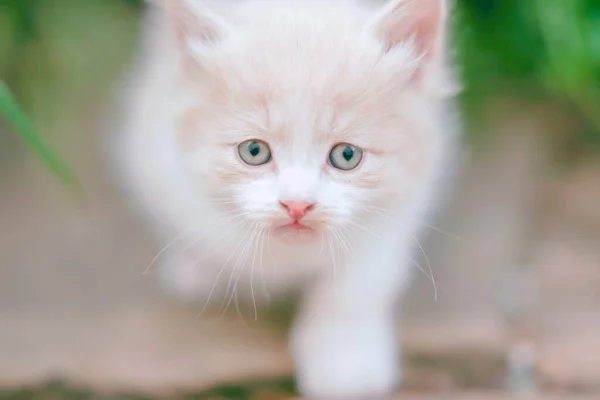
<point>295,143</point>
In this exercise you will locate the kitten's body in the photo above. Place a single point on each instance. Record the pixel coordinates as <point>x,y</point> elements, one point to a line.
<point>300,76</point>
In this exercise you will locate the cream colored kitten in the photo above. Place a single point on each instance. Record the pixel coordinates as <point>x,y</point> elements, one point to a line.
<point>295,143</point>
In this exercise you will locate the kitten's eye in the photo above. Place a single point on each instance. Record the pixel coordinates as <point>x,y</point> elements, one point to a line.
<point>254,152</point>
<point>346,157</point>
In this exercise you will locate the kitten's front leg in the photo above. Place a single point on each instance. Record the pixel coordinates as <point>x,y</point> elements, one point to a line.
<point>344,343</point>
<point>347,358</point>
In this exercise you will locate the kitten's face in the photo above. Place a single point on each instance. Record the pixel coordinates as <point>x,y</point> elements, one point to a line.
<point>302,130</point>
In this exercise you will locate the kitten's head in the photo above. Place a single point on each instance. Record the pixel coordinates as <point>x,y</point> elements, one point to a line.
<point>311,114</point>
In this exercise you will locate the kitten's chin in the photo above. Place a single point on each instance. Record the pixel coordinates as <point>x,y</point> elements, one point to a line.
<point>296,229</point>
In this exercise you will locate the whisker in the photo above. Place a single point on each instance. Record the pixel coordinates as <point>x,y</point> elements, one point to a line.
<point>260,233</point>
<point>322,243</point>
<point>270,249</point>
<point>443,232</point>
<point>230,218</point>
<point>348,243</point>
<point>429,266</point>
<point>334,277</point>
<point>239,313</point>
<point>239,264</point>
<point>358,224</point>
<point>381,212</point>
<point>262,274</point>
<point>331,251</point>
<point>217,202</point>
<point>343,242</point>
<point>244,243</point>
<point>214,285</point>
<point>416,264</point>
<point>386,213</point>
<point>168,246</point>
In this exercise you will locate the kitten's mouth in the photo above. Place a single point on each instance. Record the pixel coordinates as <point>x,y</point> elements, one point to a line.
<point>295,227</point>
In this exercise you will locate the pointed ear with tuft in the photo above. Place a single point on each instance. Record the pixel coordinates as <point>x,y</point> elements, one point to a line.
<point>422,22</point>
<point>198,28</point>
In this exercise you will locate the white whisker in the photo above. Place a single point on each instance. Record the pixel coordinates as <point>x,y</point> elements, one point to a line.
<point>239,313</point>
<point>342,242</point>
<point>331,251</point>
<point>361,225</point>
<point>270,250</point>
<point>168,246</point>
<point>429,266</point>
<point>262,273</point>
<point>206,237</point>
<point>260,233</point>
<point>239,264</point>
<point>416,264</point>
<point>377,211</point>
<point>386,213</point>
<point>322,243</point>
<point>443,232</point>
<point>214,285</point>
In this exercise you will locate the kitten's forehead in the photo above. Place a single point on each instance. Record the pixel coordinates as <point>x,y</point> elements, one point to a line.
<point>314,48</point>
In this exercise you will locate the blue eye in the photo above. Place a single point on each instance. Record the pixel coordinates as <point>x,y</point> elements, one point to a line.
<point>345,156</point>
<point>254,152</point>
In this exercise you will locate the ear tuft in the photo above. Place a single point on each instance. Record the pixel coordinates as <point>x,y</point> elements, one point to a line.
<point>197,26</point>
<point>422,22</point>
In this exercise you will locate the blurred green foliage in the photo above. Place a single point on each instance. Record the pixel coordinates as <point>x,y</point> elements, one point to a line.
<point>54,54</point>
<point>59,58</point>
<point>17,120</point>
<point>532,49</point>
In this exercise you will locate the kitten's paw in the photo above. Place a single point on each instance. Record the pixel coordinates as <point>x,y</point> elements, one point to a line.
<point>337,364</point>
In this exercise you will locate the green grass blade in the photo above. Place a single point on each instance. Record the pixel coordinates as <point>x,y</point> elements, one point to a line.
<point>17,120</point>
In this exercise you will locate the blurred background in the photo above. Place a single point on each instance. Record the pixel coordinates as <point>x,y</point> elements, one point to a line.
<point>516,256</point>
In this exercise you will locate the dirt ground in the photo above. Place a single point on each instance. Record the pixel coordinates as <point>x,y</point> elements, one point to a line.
<point>274,390</point>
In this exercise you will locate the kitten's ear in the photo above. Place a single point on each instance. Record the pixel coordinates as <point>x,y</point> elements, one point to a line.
<point>197,27</point>
<point>420,21</point>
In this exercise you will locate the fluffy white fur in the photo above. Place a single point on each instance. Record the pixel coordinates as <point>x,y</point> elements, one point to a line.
<point>301,76</point>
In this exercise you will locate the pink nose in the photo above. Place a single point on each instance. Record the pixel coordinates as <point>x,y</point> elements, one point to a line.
<point>297,208</point>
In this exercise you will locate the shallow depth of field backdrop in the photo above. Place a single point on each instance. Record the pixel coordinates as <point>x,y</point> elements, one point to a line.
<point>516,256</point>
